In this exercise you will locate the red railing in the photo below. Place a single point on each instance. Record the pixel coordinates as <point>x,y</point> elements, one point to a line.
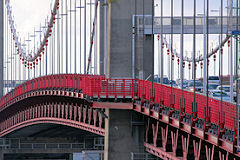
<point>145,90</point>
<point>100,87</point>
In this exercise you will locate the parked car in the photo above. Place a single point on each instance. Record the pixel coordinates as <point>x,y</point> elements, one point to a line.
<point>173,82</point>
<point>198,86</point>
<point>185,83</point>
<point>226,89</point>
<point>217,95</point>
<point>235,84</point>
<point>165,80</point>
<point>214,79</point>
<point>212,86</point>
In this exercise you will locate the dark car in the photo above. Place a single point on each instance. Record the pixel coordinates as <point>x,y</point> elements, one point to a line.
<point>165,80</point>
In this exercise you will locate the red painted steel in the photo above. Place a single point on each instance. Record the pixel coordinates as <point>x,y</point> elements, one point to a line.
<point>145,90</point>
<point>99,87</point>
<point>50,113</point>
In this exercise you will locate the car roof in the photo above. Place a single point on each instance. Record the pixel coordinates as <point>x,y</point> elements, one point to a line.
<point>216,91</point>
<point>213,84</point>
<point>224,86</point>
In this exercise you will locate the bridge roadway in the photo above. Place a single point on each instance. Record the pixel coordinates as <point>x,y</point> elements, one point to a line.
<point>82,101</point>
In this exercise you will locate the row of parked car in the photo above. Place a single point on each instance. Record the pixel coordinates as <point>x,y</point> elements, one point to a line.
<point>215,90</point>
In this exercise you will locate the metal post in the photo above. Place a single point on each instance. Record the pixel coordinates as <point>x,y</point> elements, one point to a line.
<point>162,61</point>
<point>75,34</point>
<point>58,42</point>
<point>221,62</point>
<point>67,38</point>
<point>152,49</point>
<point>19,67</point>
<point>181,49</point>
<point>53,50</point>
<point>34,41</point>
<point>105,37</point>
<point>194,56</point>
<point>6,50</point>
<point>46,63</point>
<point>90,30</point>
<point>40,65</point>
<point>85,32</point>
<point>231,70</point>
<point>133,45</point>
<point>159,55</point>
<point>11,55</point>
<point>205,52</point>
<point>28,40</point>
<point>171,60</point>
<point>236,74</point>
<point>70,37</point>
<point>1,46</point>
<point>80,41</point>
<point>169,67</point>
<point>61,71</point>
<point>208,114</point>
<point>95,46</point>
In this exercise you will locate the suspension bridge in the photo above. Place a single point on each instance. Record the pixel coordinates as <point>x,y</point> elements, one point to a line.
<point>96,80</point>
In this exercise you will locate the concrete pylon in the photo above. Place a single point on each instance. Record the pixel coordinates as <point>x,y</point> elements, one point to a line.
<point>1,45</point>
<point>119,40</point>
<point>120,138</point>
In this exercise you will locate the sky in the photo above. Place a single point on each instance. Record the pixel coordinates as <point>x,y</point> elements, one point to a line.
<point>29,14</point>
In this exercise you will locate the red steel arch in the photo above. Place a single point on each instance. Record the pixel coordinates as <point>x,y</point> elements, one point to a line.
<point>77,116</point>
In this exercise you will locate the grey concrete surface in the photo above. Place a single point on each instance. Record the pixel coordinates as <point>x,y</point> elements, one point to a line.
<point>121,40</point>
<point>120,140</point>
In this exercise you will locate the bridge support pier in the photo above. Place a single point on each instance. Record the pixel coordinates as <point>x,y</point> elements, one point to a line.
<point>119,140</point>
<point>1,155</point>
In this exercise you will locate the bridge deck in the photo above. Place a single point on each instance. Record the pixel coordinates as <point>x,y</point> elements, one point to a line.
<point>100,87</point>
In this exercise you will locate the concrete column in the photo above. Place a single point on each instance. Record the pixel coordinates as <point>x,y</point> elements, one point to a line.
<point>1,155</point>
<point>119,141</point>
<point>1,46</point>
<point>120,40</point>
<point>102,43</point>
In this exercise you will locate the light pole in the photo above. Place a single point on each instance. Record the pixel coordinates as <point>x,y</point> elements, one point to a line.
<point>34,49</point>
<point>7,62</point>
<point>80,41</point>
<point>28,40</point>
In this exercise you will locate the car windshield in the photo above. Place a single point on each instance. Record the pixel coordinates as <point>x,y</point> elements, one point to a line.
<point>197,84</point>
<point>226,89</point>
<point>212,86</point>
<point>213,78</point>
<point>218,94</point>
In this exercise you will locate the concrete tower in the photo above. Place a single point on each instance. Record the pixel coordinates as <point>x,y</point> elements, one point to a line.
<point>119,47</point>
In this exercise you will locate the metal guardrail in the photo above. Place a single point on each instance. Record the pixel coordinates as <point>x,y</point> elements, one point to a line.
<point>12,143</point>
